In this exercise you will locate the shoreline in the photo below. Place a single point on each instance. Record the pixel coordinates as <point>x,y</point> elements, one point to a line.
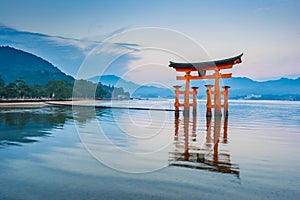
<point>22,105</point>
<point>69,103</point>
<point>19,104</point>
<point>45,103</point>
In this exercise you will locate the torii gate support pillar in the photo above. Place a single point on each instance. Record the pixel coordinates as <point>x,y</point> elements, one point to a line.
<point>217,94</point>
<point>177,104</point>
<point>226,100</point>
<point>195,100</point>
<point>208,102</point>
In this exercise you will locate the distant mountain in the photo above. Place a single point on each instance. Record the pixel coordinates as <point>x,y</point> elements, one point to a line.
<point>112,80</point>
<point>246,86</point>
<point>136,90</point>
<point>241,88</point>
<point>16,63</point>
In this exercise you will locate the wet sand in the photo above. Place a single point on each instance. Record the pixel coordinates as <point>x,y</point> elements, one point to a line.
<point>22,105</point>
<point>72,103</point>
<point>40,104</point>
<point>118,104</point>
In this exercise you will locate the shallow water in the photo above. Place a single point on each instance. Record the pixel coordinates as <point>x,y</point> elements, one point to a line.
<point>86,153</point>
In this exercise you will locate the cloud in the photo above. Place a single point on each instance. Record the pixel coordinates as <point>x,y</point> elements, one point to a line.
<point>66,53</point>
<point>263,9</point>
<point>116,32</point>
<point>143,54</point>
<point>16,36</point>
<point>157,46</point>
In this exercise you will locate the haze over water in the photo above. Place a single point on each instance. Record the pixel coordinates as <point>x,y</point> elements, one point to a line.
<point>117,153</point>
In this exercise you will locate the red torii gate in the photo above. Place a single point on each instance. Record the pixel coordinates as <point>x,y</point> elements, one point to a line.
<point>202,67</point>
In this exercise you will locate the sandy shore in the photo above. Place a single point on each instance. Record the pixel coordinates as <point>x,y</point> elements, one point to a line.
<point>46,103</point>
<point>77,102</point>
<point>23,105</point>
<point>92,103</point>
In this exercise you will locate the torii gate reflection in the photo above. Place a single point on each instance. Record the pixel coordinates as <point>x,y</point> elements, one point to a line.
<point>190,153</point>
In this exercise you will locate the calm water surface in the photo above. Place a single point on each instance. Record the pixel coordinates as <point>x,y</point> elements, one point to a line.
<point>86,153</point>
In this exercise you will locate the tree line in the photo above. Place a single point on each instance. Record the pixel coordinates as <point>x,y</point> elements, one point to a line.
<point>59,90</point>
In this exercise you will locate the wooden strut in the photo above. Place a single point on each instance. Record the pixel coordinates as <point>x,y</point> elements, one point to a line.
<point>226,100</point>
<point>201,68</point>
<point>177,104</point>
<point>186,104</point>
<point>204,77</point>
<point>217,95</point>
<point>219,106</point>
<point>194,100</point>
<point>208,102</point>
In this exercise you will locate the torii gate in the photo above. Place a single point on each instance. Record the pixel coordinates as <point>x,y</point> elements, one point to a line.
<point>202,67</point>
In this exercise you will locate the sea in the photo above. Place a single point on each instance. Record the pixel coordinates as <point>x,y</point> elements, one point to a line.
<point>145,152</point>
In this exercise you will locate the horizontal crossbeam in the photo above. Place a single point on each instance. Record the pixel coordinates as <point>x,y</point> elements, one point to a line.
<point>183,92</point>
<point>204,77</point>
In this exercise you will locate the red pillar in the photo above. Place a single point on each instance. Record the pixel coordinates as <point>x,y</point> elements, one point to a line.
<point>195,100</point>
<point>177,104</point>
<point>186,105</point>
<point>208,103</point>
<point>226,100</point>
<point>217,94</point>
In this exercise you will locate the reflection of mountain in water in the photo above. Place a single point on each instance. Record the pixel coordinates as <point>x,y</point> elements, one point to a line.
<point>23,125</point>
<point>191,153</point>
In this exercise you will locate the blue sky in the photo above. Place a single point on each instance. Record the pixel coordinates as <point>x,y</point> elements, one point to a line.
<point>267,32</point>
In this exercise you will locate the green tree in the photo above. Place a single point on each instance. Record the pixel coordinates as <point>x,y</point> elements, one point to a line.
<point>2,87</point>
<point>37,91</point>
<point>120,93</point>
<point>11,90</point>
<point>23,90</point>
<point>1,81</point>
<point>101,92</point>
<point>84,89</point>
<point>59,89</point>
<point>63,90</point>
<point>50,88</point>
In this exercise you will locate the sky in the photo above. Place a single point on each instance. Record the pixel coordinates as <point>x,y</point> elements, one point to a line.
<point>267,32</point>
